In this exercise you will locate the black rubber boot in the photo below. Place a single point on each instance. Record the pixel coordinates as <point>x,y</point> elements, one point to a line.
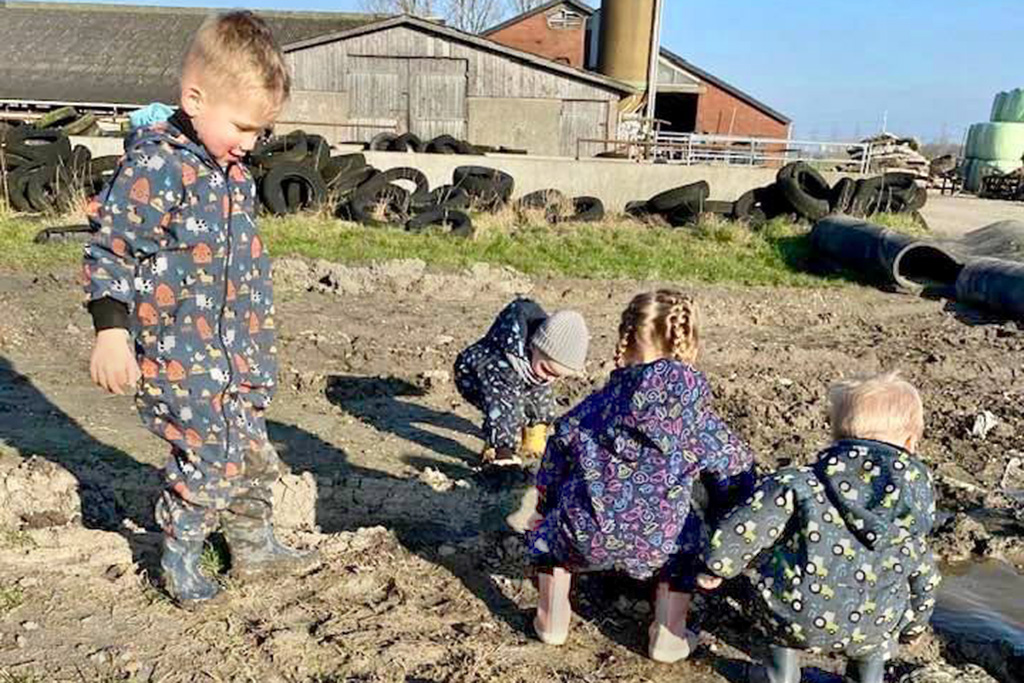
<point>256,551</point>
<point>784,667</point>
<point>870,670</point>
<point>182,578</point>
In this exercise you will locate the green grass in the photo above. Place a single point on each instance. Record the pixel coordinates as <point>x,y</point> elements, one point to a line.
<point>11,598</point>
<point>15,539</point>
<point>214,559</point>
<point>715,251</point>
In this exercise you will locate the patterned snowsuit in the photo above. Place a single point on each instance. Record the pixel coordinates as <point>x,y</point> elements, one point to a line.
<point>615,482</point>
<point>486,378</point>
<point>178,262</point>
<point>837,551</point>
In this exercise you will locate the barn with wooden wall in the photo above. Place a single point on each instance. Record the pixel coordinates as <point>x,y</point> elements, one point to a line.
<point>406,74</point>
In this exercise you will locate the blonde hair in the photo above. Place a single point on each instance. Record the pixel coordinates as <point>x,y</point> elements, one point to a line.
<point>882,408</point>
<point>236,52</point>
<point>665,320</point>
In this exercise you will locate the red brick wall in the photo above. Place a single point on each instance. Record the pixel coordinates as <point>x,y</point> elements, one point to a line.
<point>534,36</point>
<point>715,114</point>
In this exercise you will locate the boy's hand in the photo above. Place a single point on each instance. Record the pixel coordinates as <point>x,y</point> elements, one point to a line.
<point>113,366</point>
<point>708,582</point>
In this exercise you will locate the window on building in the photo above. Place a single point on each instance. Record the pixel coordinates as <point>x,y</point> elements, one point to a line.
<point>565,19</point>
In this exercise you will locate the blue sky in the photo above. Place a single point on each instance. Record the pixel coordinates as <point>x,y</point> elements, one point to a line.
<point>835,66</point>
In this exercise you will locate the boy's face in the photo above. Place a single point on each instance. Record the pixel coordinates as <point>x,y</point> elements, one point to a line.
<point>545,368</point>
<point>228,129</point>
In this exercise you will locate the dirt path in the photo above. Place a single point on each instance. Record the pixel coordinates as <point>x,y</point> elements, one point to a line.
<point>420,582</point>
<point>955,216</point>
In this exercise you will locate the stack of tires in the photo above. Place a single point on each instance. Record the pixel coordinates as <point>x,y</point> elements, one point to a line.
<point>40,172</point>
<point>995,147</point>
<point>558,208</point>
<point>409,142</point>
<point>799,190</point>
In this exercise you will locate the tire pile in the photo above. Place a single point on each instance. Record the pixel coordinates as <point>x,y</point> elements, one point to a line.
<point>40,172</point>
<point>442,144</point>
<point>799,189</point>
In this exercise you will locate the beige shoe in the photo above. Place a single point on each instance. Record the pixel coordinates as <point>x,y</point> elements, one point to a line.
<point>553,609</point>
<point>535,441</point>
<point>670,640</point>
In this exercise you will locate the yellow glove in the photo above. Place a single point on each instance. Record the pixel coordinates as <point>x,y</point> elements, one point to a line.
<point>535,440</point>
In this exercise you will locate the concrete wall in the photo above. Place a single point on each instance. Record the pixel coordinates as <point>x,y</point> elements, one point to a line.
<point>533,125</point>
<point>715,111</point>
<point>533,35</point>
<point>615,182</point>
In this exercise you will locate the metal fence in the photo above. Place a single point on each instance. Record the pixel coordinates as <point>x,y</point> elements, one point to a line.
<point>691,148</point>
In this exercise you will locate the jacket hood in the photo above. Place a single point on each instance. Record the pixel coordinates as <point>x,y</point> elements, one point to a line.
<point>883,493</point>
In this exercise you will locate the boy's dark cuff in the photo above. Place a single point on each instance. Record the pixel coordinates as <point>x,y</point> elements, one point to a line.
<point>108,314</point>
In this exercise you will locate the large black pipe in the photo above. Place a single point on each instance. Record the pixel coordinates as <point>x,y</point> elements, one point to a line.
<point>883,256</point>
<point>993,283</point>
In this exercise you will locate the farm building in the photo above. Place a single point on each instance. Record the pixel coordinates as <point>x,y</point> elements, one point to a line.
<point>354,75</point>
<point>429,79</point>
<point>689,98</point>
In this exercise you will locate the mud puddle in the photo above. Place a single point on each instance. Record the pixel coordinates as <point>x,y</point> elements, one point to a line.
<point>980,611</point>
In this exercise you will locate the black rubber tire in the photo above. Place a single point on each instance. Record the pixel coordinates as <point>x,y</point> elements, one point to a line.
<point>49,191</point>
<point>637,209</point>
<point>459,223</point>
<point>811,208</point>
<point>81,161</point>
<point>842,195</point>
<point>442,144</point>
<point>771,201</point>
<point>17,188</point>
<point>511,150</point>
<point>809,179</point>
<point>371,195</point>
<point>756,218</point>
<point>408,142</point>
<point>381,142</point>
<point>489,188</point>
<point>293,195</point>
<point>274,187</point>
<point>692,195</point>
<point>587,210</point>
<point>288,149</point>
<point>443,197</point>
<point>744,205</point>
<point>351,181</point>
<point>12,162</point>
<point>52,234</point>
<point>318,152</point>
<point>341,165</point>
<point>413,175</point>
<point>49,146</point>
<point>540,200</point>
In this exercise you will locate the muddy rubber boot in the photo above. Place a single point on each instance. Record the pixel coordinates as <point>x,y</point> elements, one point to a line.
<point>535,441</point>
<point>523,518</point>
<point>183,580</point>
<point>670,640</point>
<point>500,457</point>
<point>870,670</point>
<point>255,551</point>
<point>553,609</point>
<point>784,667</point>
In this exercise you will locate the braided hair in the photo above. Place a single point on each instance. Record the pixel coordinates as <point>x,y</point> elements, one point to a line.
<point>665,320</point>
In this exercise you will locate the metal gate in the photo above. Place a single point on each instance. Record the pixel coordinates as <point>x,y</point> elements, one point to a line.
<point>426,96</point>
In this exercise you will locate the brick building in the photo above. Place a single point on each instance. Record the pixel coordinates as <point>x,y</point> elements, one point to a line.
<point>690,98</point>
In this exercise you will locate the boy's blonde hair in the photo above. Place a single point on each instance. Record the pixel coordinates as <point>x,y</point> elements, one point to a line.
<point>666,320</point>
<point>882,408</point>
<point>235,52</point>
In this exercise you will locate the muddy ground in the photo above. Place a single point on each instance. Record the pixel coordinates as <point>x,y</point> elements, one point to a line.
<point>420,581</point>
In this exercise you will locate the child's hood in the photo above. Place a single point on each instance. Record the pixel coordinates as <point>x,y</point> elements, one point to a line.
<point>176,131</point>
<point>882,492</point>
<point>663,400</point>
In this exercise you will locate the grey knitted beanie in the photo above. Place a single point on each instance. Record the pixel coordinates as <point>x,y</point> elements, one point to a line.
<point>564,338</point>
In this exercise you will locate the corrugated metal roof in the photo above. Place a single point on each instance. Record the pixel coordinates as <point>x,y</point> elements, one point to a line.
<point>117,54</point>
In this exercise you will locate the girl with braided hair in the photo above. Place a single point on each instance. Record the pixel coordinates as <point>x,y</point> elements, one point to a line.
<point>614,486</point>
